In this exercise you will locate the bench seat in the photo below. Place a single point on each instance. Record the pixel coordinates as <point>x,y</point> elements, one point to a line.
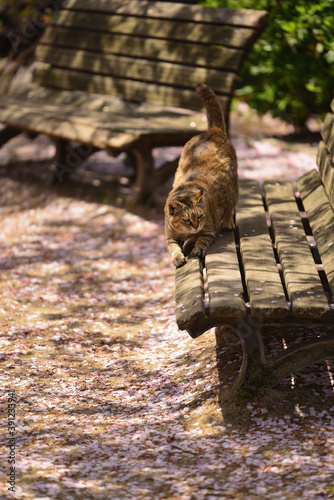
<point>121,76</point>
<point>276,268</point>
<point>105,123</point>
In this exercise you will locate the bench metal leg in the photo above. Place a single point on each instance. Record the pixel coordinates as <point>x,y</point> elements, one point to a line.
<point>166,171</point>
<point>259,373</point>
<point>144,180</point>
<point>7,134</point>
<point>67,159</point>
<point>253,355</point>
<point>296,358</point>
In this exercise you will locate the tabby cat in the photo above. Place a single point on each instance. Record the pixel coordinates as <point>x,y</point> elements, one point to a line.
<point>205,189</point>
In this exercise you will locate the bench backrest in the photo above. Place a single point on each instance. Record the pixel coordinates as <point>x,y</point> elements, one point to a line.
<point>325,159</point>
<point>147,51</point>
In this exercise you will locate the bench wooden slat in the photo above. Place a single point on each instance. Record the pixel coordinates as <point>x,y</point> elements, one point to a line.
<point>138,69</point>
<point>321,155</point>
<point>305,290</point>
<point>264,286</point>
<point>127,89</point>
<point>68,99</point>
<point>58,126</point>
<point>108,121</point>
<point>224,279</point>
<point>327,133</point>
<point>166,29</point>
<point>327,127</point>
<point>330,143</point>
<point>154,49</point>
<point>189,298</point>
<point>77,102</point>
<point>101,129</point>
<point>326,169</point>
<point>169,10</point>
<point>321,217</point>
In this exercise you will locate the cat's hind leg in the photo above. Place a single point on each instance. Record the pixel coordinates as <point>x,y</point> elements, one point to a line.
<point>227,219</point>
<point>227,222</point>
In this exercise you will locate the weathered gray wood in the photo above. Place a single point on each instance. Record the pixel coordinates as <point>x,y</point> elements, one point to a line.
<point>224,279</point>
<point>327,133</point>
<point>264,286</point>
<point>326,169</point>
<point>57,126</point>
<point>169,10</point>
<point>306,293</point>
<point>330,143</point>
<point>189,298</point>
<point>101,129</point>
<point>76,102</point>
<point>321,217</point>
<point>150,48</point>
<point>321,155</point>
<point>130,90</point>
<point>157,28</point>
<point>327,127</point>
<point>138,69</point>
<point>144,119</point>
<point>39,96</point>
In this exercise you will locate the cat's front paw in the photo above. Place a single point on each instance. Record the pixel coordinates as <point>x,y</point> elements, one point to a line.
<point>198,252</point>
<point>178,259</point>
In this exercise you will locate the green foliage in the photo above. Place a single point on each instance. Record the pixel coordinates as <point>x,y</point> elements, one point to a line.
<point>290,70</point>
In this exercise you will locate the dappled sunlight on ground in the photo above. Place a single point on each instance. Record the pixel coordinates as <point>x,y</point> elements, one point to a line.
<point>112,401</point>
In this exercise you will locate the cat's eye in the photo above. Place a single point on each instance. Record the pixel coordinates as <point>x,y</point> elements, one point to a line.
<point>186,221</point>
<point>199,217</point>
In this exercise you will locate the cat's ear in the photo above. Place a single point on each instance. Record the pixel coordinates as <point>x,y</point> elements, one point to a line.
<point>174,207</point>
<point>199,195</point>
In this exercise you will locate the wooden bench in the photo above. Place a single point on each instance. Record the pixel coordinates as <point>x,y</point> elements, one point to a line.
<point>119,76</point>
<point>275,269</point>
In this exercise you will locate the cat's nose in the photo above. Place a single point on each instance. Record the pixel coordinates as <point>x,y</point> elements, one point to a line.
<point>195,224</point>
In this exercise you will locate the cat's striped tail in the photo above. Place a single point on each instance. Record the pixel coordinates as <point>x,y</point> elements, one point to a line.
<point>213,110</point>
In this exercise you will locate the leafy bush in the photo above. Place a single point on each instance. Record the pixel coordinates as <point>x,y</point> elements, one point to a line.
<point>290,70</point>
<point>22,23</point>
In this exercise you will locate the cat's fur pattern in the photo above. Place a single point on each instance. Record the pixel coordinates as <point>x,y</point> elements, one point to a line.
<point>205,189</point>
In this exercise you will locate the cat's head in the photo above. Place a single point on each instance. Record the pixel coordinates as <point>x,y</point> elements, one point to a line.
<point>186,211</point>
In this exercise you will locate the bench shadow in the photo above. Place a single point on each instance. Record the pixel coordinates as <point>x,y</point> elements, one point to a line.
<point>311,388</point>
<point>100,178</point>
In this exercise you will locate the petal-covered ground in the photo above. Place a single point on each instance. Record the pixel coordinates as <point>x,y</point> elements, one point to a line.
<point>112,401</point>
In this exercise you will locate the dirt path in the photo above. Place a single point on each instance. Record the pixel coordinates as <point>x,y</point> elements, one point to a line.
<point>112,401</point>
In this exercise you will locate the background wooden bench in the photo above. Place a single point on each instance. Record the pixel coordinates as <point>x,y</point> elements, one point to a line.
<point>150,55</point>
<point>276,269</point>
